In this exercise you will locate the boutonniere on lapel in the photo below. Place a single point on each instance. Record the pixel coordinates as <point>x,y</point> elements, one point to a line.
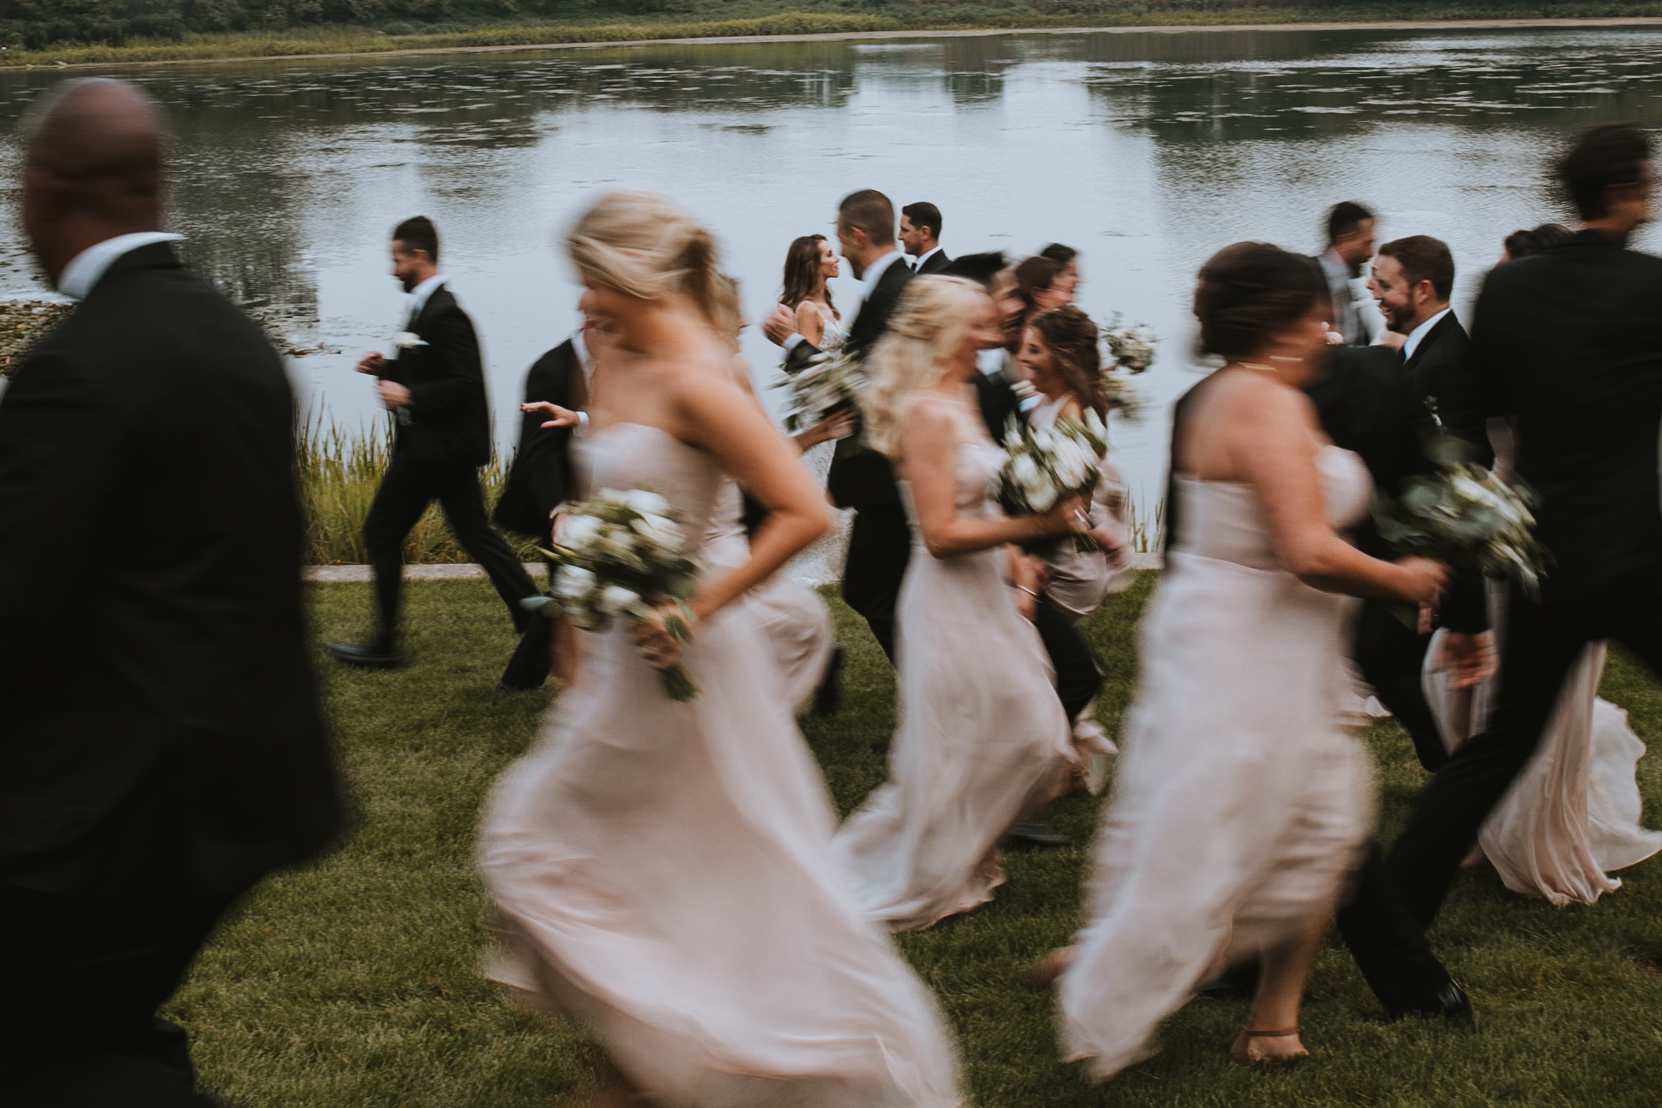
<point>408,340</point>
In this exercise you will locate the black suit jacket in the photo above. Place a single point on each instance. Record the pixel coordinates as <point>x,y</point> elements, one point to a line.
<point>935,263</point>
<point>1441,373</point>
<point>449,416</point>
<point>860,477</point>
<point>998,402</point>
<point>1569,344</point>
<point>159,719</point>
<point>540,477</point>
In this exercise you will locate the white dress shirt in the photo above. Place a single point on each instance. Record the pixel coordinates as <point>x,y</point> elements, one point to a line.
<point>89,266</point>
<point>422,292</point>
<point>925,256</point>
<point>1419,333</point>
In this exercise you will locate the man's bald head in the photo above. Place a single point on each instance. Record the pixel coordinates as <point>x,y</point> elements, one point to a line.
<point>93,152</point>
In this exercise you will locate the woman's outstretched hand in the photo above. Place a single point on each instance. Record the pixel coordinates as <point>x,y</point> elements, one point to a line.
<point>558,416</point>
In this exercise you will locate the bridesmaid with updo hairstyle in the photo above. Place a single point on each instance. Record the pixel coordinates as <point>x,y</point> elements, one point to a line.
<point>661,870</point>
<point>1240,803</point>
<point>983,741</point>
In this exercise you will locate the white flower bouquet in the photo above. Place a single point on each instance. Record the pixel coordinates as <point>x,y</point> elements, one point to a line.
<point>1466,516</point>
<point>1043,467</point>
<point>1130,348</point>
<point>831,380</point>
<point>1130,351</point>
<point>620,554</point>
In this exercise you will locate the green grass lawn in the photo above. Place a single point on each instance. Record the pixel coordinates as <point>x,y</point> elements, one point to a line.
<point>356,982</point>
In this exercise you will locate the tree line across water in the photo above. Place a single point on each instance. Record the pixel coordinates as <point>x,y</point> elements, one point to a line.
<point>34,25</point>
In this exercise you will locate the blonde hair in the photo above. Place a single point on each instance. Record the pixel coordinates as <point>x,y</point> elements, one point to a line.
<point>926,331</point>
<point>644,246</point>
<point>728,319</point>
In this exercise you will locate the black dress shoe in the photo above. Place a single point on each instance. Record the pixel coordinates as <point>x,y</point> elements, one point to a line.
<point>829,696</point>
<point>1034,836</point>
<point>369,655</point>
<point>1238,982</point>
<point>1451,1004</point>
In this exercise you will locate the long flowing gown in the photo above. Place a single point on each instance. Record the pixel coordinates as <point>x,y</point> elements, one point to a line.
<point>982,739</point>
<point>791,615</point>
<point>662,870</point>
<point>1240,803</point>
<point>1573,814</point>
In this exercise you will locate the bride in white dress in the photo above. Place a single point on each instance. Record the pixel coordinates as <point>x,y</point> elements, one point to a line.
<point>982,739</point>
<point>662,871</point>
<point>1239,805</point>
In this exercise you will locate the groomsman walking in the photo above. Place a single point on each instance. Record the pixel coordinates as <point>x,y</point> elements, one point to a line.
<point>920,234</point>
<point>540,479</point>
<point>1350,241</point>
<point>435,388</point>
<point>880,541</point>
<point>1568,344</point>
<point>162,747</point>
<point>1412,280</point>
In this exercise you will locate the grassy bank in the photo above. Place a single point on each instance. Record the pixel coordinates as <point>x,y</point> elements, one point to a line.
<point>356,982</point>
<point>696,19</point>
<point>338,475</point>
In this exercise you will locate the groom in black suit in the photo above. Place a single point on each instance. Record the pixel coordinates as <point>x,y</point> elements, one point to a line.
<point>920,234</point>
<point>1568,343</point>
<point>161,743</point>
<point>1412,280</point>
<point>435,388</point>
<point>879,542</point>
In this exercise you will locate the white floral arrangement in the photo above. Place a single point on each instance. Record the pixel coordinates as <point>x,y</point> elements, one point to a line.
<point>1130,351</point>
<point>831,380</point>
<point>621,553</point>
<point>1466,516</point>
<point>408,340</point>
<point>1043,467</point>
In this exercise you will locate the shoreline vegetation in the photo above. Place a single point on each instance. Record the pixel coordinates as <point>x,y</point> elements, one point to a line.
<point>735,20</point>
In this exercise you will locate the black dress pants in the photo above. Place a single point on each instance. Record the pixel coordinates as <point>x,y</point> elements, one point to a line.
<point>1391,656</point>
<point>406,490</point>
<point>879,546</point>
<point>534,657</point>
<point>82,979</point>
<point>1078,677</point>
<point>1543,641</point>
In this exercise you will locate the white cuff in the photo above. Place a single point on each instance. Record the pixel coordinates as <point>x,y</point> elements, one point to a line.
<point>792,342</point>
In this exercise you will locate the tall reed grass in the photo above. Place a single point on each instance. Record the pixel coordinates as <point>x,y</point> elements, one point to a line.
<point>338,473</point>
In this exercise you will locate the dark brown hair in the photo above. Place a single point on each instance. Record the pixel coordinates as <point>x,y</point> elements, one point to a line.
<point>924,214</point>
<point>1248,292</point>
<point>1071,338</point>
<point>1059,253</point>
<point>1033,276</point>
<point>870,211</point>
<point>1423,258</point>
<point>1346,218</point>
<point>802,278</point>
<point>1521,244</point>
<point>418,233</point>
<point>1602,157</point>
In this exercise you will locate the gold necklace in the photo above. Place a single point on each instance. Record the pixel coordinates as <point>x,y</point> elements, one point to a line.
<point>1259,367</point>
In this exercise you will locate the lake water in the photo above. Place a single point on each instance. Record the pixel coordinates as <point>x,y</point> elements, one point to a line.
<point>1146,151</point>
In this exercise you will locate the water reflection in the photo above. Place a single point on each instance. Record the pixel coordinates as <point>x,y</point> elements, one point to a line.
<point>1145,150</point>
